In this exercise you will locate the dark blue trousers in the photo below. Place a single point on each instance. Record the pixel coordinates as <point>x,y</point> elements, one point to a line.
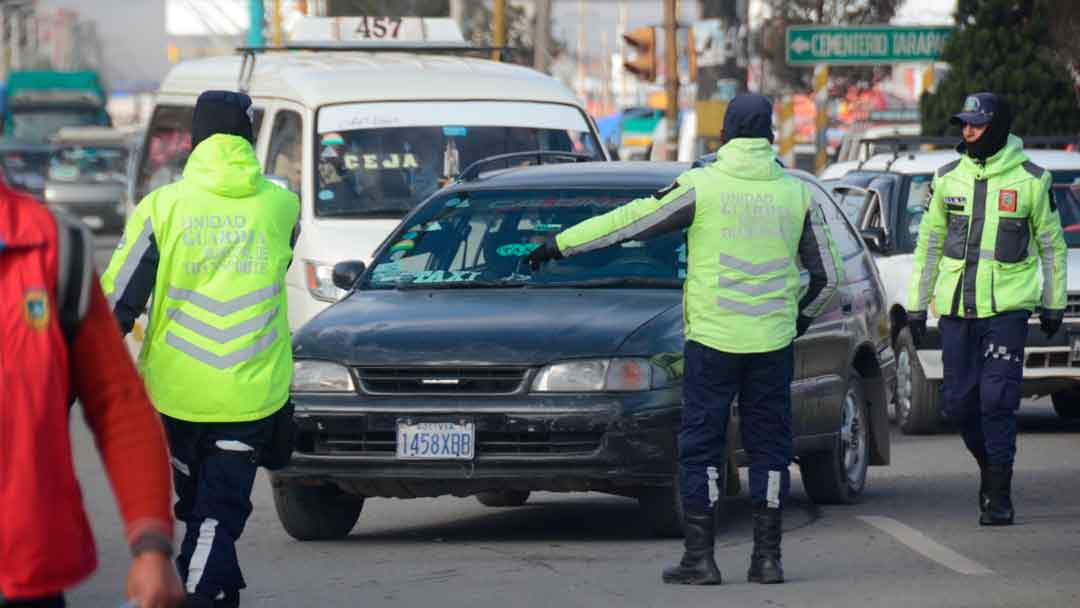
<point>214,468</point>
<point>984,367</point>
<point>762,382</point>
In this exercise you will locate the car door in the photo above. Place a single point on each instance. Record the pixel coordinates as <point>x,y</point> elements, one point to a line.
<point>823,356</point>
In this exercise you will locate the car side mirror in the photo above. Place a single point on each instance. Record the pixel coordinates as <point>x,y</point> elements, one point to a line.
<point>346,273</point>
<point>874,238</point>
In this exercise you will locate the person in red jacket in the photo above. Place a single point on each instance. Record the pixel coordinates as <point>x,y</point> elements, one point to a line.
<point>59,341</point>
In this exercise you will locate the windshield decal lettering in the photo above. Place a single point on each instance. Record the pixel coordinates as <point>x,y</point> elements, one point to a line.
<point>548,227</point>
<point>445,276</point>
<point>326,195</point>
<point>516,249</point>
<point>375,162</point>
<point>455,131</point>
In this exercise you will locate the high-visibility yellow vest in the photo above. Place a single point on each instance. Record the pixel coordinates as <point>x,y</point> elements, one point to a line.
<point>217,347</point>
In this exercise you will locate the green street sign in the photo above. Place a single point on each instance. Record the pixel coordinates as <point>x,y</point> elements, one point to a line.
<point>863,45</point>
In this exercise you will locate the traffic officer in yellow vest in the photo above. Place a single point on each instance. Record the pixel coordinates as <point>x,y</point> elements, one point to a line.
<point>749,227</point>
<point>991,222</point>
<point>212,250</point>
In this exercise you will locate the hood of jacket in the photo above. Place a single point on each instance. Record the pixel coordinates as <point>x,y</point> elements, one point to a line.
<point>225,165</point>
<point>748,158</point>
<point>1006,159</point>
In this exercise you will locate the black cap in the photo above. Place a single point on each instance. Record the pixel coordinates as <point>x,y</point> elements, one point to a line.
<point>979,109</point>
<point>225,112</point>
<point>748,116</point>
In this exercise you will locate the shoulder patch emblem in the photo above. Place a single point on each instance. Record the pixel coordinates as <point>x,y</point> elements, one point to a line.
<point>1007,201</point>
<point>36,309</point>
<point>955,203</point>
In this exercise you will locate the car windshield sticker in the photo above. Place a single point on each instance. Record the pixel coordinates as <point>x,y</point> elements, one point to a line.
<point>404,245</point>
<point>409,235</point>
<point>445,276</point>
<point>514,250</point>
<point>378,162</point>
<point>554,203</point>
<point>432,227</point>
<point>455,131</point>
<point>325,195</point>
<point>548,227</point>
<point>389,268</point>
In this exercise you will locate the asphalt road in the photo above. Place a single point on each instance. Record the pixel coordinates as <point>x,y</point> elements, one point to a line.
<point>913,540</point>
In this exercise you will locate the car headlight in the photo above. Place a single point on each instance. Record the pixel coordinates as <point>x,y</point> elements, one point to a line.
<point>319,277</point>
<point>310,376</point>
<point>597,375</point>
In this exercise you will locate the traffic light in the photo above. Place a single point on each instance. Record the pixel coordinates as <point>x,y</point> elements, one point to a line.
<point>643,41</point>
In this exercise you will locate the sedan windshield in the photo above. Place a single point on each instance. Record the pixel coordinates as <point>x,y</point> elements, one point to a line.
<point>381,159</point>
<point>482,239</point>
<point>88,163</point>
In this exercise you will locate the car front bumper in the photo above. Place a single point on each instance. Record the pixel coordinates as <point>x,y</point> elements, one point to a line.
<point>1050,365</point>
<point>560,443</point>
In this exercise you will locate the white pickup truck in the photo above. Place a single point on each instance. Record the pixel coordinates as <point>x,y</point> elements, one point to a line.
<point>885,197</point>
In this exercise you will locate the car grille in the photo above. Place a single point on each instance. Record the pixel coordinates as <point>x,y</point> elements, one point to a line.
<point>441,380</point>
<point>489,443</point>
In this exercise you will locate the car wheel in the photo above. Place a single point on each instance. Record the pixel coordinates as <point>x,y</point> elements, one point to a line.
<point>320,512</point>
<point>503,498</point>
<point>839,475</point>
<point>1067,403</point>
<point>918,402</point>
<point>662,506</point>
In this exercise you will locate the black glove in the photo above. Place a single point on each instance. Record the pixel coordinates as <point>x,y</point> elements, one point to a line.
<point>548,251</point>
<point>916,322</point>
<point>802,324</point>
<point>1050,321</point>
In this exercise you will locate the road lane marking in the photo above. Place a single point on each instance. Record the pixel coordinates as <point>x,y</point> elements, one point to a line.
<point>926,546</point>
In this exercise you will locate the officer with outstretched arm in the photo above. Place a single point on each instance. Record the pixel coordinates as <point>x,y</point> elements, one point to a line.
<point>991,223</point>
<point>749,225</point>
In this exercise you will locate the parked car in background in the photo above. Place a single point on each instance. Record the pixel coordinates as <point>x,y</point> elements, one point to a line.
<point>88,174</point>
<point>450,367</point>
<point>25,165</point>
<point>886,199</point>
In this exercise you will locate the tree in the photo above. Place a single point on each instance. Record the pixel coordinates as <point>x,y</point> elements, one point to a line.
<point>771,43</point>
<point>1004,46</point>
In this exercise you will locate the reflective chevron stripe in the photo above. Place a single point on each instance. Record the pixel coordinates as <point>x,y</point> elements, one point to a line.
<point>223,334</point>
<point>754,269</point>
<point>1046,242</point>
<point>753,289</point>
<point>226,360</point>
<point>228,307</point>
<point>752,309</point>
<point>929,269</point>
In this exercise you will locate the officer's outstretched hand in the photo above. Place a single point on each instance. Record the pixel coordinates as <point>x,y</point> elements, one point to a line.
<point>917,326</point>
<point>1050,321</point>
<point>802,324</point>
<point>153,581</point>
<point>548,251</point>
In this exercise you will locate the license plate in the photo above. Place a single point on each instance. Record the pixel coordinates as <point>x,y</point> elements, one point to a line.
<point>436,441</point>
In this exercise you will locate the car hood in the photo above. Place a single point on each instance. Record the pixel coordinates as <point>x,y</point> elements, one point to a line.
<point>479,326</point>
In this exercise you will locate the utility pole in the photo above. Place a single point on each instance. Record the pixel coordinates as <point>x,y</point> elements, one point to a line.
<point>542,36</point>
<point>581,53</point>
<point>499,23</point>
<point>255,36</point>
<point>719,82</point>
<point>276,33</point>
<point>671,78</point>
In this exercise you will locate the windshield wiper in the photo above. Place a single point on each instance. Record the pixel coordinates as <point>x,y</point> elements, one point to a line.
<point>647,282</point>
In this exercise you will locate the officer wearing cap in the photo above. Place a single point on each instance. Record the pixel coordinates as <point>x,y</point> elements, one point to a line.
<point>742,312</point>
<point>212,250</point>
<point>990,225</point>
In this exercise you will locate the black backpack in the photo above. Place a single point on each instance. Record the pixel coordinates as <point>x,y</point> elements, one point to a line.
<point>75,270</point>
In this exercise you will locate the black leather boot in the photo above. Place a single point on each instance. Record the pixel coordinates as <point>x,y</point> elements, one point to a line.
<point>698,566</point>
<point>984,482</point>
<point>765,566</point>
<point>999,509</point>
